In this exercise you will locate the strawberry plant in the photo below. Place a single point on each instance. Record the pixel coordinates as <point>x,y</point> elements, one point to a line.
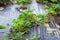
<point>41,1</point>
<point>54,1</point>
<point>53,9</point>
<point>2,27</point>
<point>15,36</point>
<point>48,1</point>
<point>24,1</point>
<point>27,20</point>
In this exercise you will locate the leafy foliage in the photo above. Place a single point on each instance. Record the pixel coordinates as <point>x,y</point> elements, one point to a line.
<point>2,27</point>
<point>15,36</point>
<point>53,9</point>
<point>54,0</point>
<point>24,1</point>
<point>26,20</point>
<point>52,6</point>
<point>49,1</point>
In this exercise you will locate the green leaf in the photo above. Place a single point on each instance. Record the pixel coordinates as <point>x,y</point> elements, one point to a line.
<point>24,1</point>
<point>54,0</point>
<point>2,27</point>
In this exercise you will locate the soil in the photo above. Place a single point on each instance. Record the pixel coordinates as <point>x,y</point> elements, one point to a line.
<point>57,18</point>
<point>53,2</point>
<point>25,3</point>
<point>23,7</point>
<point>38,1</point>
<point>48,21</point>
<point>2,6</point>
<point>50,14</point>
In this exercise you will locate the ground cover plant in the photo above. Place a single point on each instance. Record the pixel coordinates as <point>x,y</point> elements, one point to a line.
<point>54,11</point>
<point>23,3</point>
<point>24,22</point>
<point>2,27</point>
<point>48,1</point>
